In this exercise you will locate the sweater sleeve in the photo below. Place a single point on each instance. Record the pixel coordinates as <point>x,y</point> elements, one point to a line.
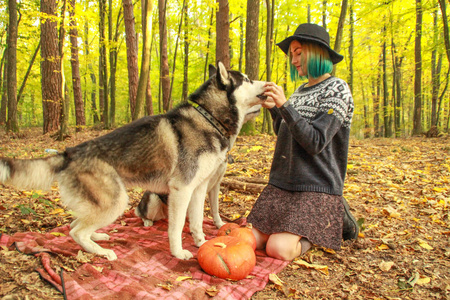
<point>276,118</point>
<point>332,113</point>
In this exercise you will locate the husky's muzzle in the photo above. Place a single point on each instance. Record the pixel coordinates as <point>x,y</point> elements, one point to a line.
<point>262,97</point>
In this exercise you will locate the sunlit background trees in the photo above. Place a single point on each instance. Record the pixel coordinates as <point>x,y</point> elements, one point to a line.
<point>80,63</point>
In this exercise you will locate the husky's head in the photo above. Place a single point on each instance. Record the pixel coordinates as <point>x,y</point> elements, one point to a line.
<point>230,96</point>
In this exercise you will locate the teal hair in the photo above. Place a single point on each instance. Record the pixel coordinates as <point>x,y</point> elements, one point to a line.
<point>318,62</point>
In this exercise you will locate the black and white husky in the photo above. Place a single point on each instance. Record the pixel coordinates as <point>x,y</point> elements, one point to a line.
<point>175,153</point>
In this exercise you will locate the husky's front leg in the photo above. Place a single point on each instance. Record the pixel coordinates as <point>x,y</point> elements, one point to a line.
<point>178,203</point>
<point>195,211</point>
<point>213,194</point>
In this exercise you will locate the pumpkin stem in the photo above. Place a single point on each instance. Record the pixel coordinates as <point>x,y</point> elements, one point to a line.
<point>221,245</point>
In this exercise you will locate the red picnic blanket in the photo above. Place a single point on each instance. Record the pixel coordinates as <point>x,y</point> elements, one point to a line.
<point>145,269</point>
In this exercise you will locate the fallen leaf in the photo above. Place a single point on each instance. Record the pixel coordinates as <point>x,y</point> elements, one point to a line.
<point>57,233</point>
<point>275,279</point>
<point>183,278</point>
<point>424,244</point>
<point>167,286</point>
<point>321,268</point>
<point>212,291</point>
<point>386,265</point>
<point>423,280</point>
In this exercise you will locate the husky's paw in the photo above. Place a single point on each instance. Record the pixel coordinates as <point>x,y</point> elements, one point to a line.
<point>183,254</point>
<point>199,241</point>
<point>110,255</point>
<point>147,222</point>
<point>99,236</point>
<point>219,223</point>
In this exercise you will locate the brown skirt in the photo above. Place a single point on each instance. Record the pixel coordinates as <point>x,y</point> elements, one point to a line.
<point>315,216</point>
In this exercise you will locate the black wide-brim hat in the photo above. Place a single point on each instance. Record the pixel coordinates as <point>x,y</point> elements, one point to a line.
<point>311,33</point>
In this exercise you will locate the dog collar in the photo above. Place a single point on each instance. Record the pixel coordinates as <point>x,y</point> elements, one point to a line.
<point>210,119</point>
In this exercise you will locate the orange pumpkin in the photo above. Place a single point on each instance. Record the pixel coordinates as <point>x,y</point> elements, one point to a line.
<point>227,257</point>
<point>244,233</point>
<point>226,228</point>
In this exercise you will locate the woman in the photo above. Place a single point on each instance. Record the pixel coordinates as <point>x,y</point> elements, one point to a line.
<point>303,203</point>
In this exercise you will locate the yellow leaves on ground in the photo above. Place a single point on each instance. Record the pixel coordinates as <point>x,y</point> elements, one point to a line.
<point>321,268</point>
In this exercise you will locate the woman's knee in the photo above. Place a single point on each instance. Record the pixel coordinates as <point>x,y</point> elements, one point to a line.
<point>285,246</point>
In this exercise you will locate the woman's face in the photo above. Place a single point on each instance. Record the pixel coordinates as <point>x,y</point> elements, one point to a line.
<point>296,57</point>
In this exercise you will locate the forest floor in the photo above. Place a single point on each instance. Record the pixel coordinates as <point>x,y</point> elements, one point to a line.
<point>399,189</point>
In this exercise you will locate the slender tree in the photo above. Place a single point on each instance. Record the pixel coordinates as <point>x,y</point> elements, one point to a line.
<point>132,53</point>
<point>340,29</point>
<point>64,114</point>
<point>11,76</point>
<point>103,67</point>
<point>417,120</point>
<point>164,59</point>
<point>80,119</point>
<point>251,50</point>
<point>27,74</point>
<point>93,91</point>
<point>223,33</point>
<point>208,43</point>
<point>185,91</point>
<point>50,67</point>
<point>4,96</point>
<point>184,7</point>
<point>436,65</point>
<point>145,64</point>
<point>267,124</point>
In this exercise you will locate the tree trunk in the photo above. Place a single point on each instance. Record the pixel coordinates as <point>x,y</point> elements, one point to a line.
<point>185,92</point>
<point>351,47</point>
<point>80,119</point>
<point>223,33</point>
<point>94,114</point>
<point>50,67</point>
<point>164,63</point>
<point>442,5</point>
<point>340,29</point>
<point>132,53</point>
<point>112,64</point>
<point>103,67</point>
<point>417,120</point>
<point>27,74</point>
<point>148,96</point>
<point>386,104</point>
<point>11,77</point>
<point>211,19</point>
<point>267,124</point>
<point>176,49</point>
<point>4,103</point>
<point>251,51</point>
<point>64,116</point>
<point>435,71</point>
<point>145,64</point>
<point>324,14</point>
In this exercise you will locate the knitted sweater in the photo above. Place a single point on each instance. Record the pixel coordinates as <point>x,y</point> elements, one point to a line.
<point>313,130</point>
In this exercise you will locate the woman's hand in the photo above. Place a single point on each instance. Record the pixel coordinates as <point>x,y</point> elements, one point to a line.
<point>275,95</point>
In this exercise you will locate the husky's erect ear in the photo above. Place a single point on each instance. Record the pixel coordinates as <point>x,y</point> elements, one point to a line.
<point>212,70</point>
<point>222,74</point>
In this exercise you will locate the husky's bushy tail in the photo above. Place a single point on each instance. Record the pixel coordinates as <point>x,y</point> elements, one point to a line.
<point>30,173</point>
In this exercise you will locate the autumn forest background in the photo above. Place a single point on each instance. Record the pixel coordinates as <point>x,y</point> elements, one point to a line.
<point>75,63</point>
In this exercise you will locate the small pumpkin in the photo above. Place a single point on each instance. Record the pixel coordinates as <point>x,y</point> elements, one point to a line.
<point>227,257</point>
<point>243,233</point>
<point>227,228</point>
